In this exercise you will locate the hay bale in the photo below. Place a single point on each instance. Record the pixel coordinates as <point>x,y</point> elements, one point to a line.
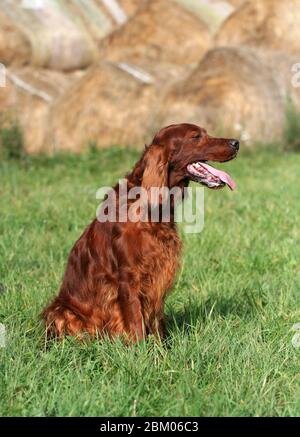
<point>281,64</point>
<point>57,34</point>
<point>130,6</point>
<point>233,90</point>
<point>108,106</point>
<point>14,45</point>
<point>69,47</point>
<point>117,101</point>
<point>236,3</point>
<point>119,11</point>
<point>27,98</point>
<point>111,106</point>
<point>161,31</point>
<point>271,24</point>
<point>212,12</point>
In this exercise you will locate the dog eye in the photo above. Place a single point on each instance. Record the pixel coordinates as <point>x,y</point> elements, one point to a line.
<point>196,137</point>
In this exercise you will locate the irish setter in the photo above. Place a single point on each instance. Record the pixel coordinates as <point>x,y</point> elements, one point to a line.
<point>119,272</point>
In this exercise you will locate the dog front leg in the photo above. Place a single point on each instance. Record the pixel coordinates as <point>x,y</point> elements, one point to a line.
<point>131,309</point>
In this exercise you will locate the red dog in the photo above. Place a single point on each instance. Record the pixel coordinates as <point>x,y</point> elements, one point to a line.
<point>118,273</point>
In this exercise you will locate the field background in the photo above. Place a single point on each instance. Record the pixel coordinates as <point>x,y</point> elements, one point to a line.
<point>228,349</point>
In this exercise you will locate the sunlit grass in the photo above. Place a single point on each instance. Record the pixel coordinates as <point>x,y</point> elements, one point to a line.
<point>228,350</point>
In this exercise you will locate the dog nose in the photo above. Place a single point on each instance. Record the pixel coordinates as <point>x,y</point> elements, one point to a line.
<point>235,144</point>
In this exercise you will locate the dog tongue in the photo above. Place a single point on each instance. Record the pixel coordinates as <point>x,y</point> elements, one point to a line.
<point>221,175</point>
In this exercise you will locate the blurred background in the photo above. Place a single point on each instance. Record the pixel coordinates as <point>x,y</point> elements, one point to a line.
<point>76,73</point>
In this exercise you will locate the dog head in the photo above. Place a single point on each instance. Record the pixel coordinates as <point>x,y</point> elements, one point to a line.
<point>179,153</point>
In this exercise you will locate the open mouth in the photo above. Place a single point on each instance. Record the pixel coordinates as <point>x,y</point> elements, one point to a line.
<point>211,177</point>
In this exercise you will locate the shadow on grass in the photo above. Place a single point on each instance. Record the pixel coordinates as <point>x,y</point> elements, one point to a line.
<point>188,317</point>
<point>244,306</point>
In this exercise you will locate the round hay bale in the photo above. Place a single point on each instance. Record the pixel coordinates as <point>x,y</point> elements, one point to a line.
<point>283,67</point>
<point>236,3</point>
<point>234,91</point>
<point>130,6</point>
<point>272,24</point>
<point>161,31</point>
<point>108,106</point>
<point>61,34</point>
<point>119,11</point>
<point>212,12</point>
<point>15,47</point>
<point>57,34</point>
<point>26,100</point>
<point>69,47</point>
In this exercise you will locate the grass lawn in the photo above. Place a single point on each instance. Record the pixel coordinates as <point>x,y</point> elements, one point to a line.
<point>228,350</point>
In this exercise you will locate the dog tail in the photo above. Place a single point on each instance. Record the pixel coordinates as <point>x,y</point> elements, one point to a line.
<point>61,320</point>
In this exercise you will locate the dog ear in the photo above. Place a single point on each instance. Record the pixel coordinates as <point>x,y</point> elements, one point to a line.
<point>155,171</point>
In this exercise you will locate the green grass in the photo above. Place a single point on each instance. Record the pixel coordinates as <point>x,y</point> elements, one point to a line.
<point>228,350</point>
<point>291,135</point>
<point>11,141</point>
